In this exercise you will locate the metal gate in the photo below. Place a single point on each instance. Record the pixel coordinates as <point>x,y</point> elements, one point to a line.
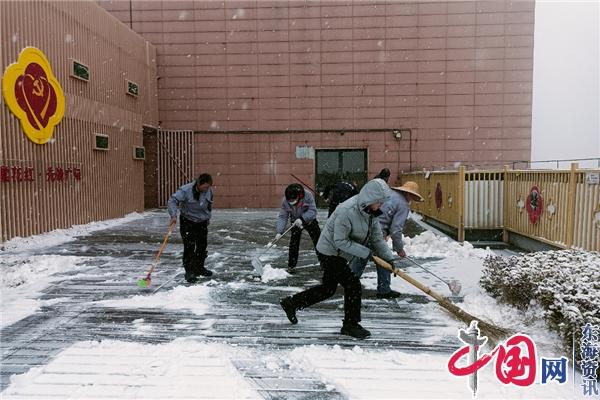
<point>175,162</point>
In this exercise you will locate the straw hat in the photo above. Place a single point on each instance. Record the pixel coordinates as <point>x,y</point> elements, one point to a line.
<point>410,187</point>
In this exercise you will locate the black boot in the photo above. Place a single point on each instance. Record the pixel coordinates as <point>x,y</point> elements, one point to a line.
<point>191,278</point>
<point>355,330</point>
<point>288,306</point>
<point>202,269</point>
<point>392,294</point>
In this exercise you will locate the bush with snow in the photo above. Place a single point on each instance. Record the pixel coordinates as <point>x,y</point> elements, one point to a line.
<point>565,283</point>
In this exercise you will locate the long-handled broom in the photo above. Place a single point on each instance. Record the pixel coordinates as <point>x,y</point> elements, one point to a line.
<point>145,282</point>
<point>489,329</point>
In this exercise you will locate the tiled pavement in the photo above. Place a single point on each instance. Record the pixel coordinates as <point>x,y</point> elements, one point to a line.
<point>246,315</point>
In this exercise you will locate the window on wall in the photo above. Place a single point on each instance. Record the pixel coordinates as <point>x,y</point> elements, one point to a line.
<point>339,164</point>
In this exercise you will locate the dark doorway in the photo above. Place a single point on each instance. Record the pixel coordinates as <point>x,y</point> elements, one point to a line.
<point>334,165</point>
<point>150,135</point>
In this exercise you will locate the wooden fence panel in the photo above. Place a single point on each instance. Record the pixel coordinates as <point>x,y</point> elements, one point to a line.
<point>448,211</point>
<point>570,214</point>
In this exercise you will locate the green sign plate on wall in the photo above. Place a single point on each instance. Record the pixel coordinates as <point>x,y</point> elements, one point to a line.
<point>80,71</point>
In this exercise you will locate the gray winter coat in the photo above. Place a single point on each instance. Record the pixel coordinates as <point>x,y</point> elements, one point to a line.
<point>395,212</point>
<point>352,232</point>
<point>307,211</point>
<point>192,209</point>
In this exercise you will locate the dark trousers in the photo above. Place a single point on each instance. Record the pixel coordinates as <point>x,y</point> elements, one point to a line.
<point>335,271</point>
<point>313,230</point>
<point>194,235</point>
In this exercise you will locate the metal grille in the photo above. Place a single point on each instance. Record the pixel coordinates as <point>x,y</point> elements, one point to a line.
<point>175,162</point>
<point>483,200</point>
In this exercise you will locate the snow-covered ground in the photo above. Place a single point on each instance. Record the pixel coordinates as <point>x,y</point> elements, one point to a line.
<point>199,365</point>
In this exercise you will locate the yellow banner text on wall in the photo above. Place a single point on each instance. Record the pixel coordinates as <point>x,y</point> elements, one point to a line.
<point>34,95</point>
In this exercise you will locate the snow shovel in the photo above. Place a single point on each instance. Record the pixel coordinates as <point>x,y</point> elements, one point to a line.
<point>256,263</point>
<point>145,282</point>
<point>490,329</point>
<point>453,284</point>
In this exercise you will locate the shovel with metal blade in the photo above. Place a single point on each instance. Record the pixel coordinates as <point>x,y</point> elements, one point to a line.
<point>145,282</point>
<point>256,263</point>
<point>453,284</point>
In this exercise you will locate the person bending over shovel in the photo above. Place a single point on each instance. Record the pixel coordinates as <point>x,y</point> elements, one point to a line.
<point>298,206</point>
<point>195,204</point>
<point>351,231</point>
<point>339,193</point>
<point>393,217</point>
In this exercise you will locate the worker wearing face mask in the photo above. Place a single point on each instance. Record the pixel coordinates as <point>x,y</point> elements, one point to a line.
<point>299,208</point>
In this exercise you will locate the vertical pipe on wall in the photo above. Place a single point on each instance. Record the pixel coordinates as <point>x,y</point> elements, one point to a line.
<point>506,196</point>
<point>461,203</point>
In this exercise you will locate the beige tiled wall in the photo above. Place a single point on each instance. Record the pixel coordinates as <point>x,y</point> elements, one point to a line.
<point>458,73</point>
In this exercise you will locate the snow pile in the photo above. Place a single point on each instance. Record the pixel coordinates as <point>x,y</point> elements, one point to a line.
<point>565,283</point>
<point>60,236</point>
<point>193,298</point>
<point>271,274</point>
<point>451,261</point>
<point>428,244</point>
<point>24,278</point>
<point>17,271</point>
<point>415,216</point>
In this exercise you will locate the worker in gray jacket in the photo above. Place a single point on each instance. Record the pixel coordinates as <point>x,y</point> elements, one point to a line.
<point>351,231</point>
<point>298,207</point>
<point>394,215</point>
<point>194,201</point>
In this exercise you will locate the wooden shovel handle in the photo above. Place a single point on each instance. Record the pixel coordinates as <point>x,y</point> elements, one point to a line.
<point>386,265</point>
<point>162,247</point>
<point>489,329</point>
<point>164,243</point>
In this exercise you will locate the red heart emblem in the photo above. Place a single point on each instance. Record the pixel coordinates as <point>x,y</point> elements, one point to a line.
<point>438,196</point>
<point>36,96</point>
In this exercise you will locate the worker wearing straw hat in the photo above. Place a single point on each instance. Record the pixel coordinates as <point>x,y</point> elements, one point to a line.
<point>394,214</point>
